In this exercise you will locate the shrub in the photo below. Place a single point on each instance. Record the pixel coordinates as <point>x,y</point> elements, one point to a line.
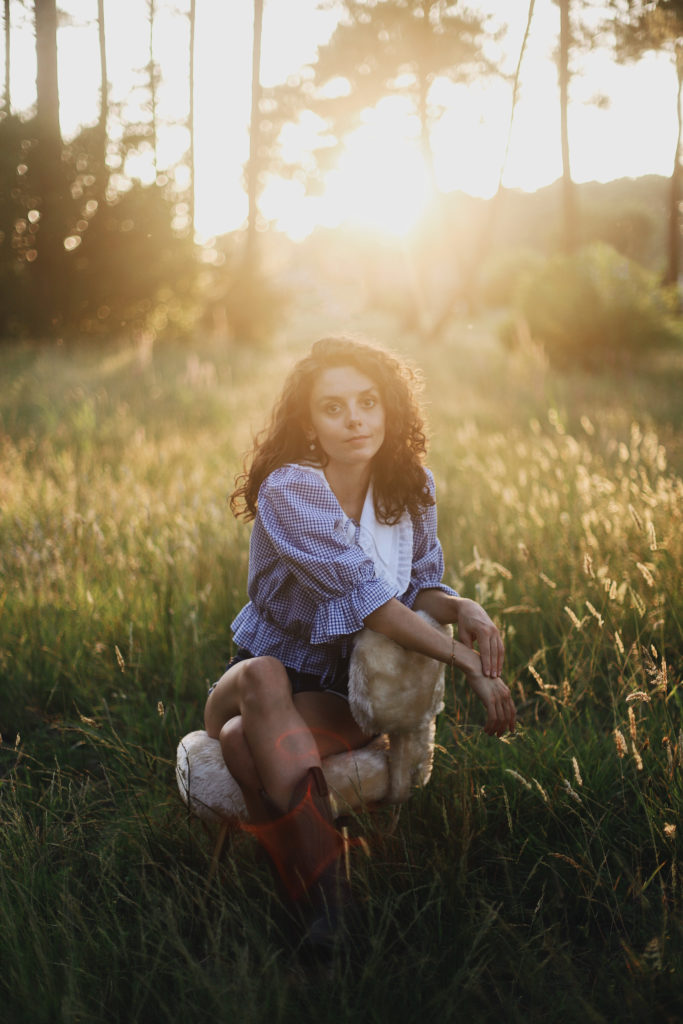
<point>506,273</point>
<point>598,309</point>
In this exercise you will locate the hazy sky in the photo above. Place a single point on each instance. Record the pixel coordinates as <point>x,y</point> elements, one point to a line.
<point>381,179</point>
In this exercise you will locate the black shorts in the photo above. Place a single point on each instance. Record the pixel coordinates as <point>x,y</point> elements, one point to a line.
<point>306,682</point>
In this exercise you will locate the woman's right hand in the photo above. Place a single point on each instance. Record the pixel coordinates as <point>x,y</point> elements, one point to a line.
<point>496,697</point>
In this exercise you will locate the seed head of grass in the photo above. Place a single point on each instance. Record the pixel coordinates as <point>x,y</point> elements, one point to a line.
<point>646,573</point>
<point>578,623</point>
<point>541,790</point>
<point>635,517</point>
<point>520,778</point>
<point>571,791</point>
<point>595,613</point>
<point>537,677</point>
<point>632,724</point>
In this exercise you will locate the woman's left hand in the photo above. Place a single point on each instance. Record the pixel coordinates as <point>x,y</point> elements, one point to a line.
<point>475,624</point>
<point>496,697</point>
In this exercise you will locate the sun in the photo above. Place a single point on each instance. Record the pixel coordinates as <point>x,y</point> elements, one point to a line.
<point>380,183</point>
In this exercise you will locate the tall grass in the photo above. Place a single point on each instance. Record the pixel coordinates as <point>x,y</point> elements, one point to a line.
<point>537,878</point>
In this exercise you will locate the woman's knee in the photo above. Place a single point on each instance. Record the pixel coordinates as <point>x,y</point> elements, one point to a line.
<point>237,755</point>
<point>258,683</point>
<point>265,685</point>
<point>222,704</point>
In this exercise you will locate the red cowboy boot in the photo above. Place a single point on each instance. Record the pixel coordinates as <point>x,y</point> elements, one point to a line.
<point>306,850</point>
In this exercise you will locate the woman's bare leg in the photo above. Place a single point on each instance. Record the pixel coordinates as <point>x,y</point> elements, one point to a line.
<point>331,723</point>
<point>269,738</point>
<point>279,740</point>
<point>275,744</point>
<point>237,756</point>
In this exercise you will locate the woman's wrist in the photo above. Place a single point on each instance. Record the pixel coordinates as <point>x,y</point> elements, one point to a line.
<point>465,659</point>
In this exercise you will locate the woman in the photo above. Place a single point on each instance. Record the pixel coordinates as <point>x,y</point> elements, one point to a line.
<point>344,538</point>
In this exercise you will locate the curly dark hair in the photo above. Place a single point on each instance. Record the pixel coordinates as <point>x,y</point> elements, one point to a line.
<point>399,479</point>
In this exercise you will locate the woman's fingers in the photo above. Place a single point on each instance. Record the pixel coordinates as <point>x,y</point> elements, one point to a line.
<point>497,699</point>
<point>500,652</point>
<point>485,653</point>
<point>491,650</point>
<point>501,712</point>
<point>496,652</point>
<point>475,624</point>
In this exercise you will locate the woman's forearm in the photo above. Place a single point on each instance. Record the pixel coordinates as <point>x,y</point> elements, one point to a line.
<point>402,625</point>
<point>474,625</point>
<point>411,631</point>
<point>437,603</point>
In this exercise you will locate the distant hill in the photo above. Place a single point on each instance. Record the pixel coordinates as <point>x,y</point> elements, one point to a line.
<point>453,257</point>
<point>628,213</point>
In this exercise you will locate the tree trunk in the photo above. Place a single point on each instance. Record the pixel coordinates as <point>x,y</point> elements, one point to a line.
<point>569,233</point>
<point>254,166</point>
<point>515,95</point>
<point>674,239</point>
<point>468,287</point>
<point>47,83</point>
<point>104,78</point>
<point>101,169</point>
<point>152,83</point>
<point>190,119</point>
<point>425,135</point>
<point>49,176</point>
<point>7,97</point>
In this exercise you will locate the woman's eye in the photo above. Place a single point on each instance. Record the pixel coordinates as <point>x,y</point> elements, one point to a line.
<point>369,402</point>
<point>332,409</point>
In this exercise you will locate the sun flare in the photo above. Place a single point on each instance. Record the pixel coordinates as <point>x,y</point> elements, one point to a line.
<point>380,182</point>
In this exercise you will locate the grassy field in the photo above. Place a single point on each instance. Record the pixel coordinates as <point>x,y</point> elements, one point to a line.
<point>535,879</point>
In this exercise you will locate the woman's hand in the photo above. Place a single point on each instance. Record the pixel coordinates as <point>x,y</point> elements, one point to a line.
<point>475,624</point>
<point>496,697</point>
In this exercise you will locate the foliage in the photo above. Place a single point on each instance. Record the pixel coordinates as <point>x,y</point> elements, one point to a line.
<point>597,310</point>
<point>503,274</point>
<point>534,879</point>
<point>120,251</point>
<point>388,48</point>
<point>645,26</point>
<point>628,228</point>
<point>246,304</point>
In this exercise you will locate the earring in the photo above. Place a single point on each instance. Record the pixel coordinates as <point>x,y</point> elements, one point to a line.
<point>311,446</point>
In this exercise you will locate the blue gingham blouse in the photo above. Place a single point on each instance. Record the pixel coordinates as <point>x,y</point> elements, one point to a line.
<point>310,587</point>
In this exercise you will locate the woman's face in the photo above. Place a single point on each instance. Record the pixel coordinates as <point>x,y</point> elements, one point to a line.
<point>347,416</point>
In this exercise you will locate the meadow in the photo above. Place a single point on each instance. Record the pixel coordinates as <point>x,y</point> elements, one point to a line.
<point>536,878</point>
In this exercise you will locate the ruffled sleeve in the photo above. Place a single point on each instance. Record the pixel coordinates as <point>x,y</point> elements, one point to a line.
<point>428,562</point>
<point>305,524</point>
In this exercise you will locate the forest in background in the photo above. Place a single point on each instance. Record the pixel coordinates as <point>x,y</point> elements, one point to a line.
<point>86,249</point>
